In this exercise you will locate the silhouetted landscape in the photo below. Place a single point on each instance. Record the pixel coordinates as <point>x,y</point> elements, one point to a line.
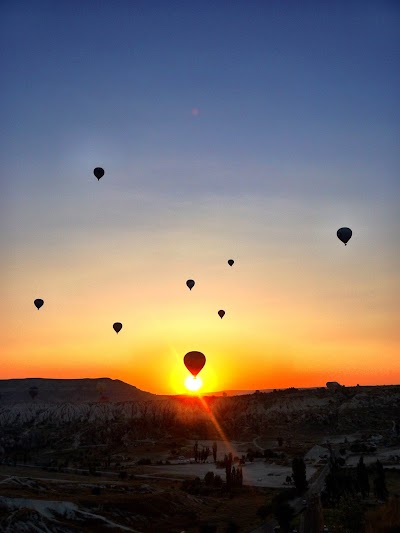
<point>101,455</point>
<point>200,235</point>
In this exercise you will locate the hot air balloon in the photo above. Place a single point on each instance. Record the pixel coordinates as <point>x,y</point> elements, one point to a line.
<point>344,234</point>
<point>221,313</point>
<point>38,303</point>
<point>117,326</point>
<point>98,172</point>
<point>190,283</point>
<point>194,362</point>
<point>230,262</point>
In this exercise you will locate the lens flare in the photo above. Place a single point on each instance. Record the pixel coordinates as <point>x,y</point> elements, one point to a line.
<point>193,384</point>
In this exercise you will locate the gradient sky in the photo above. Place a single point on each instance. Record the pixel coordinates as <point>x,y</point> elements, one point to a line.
<point>250,130</point>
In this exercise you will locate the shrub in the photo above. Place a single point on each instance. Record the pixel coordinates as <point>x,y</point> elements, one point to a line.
<point>268,454</point>
<point>208,528</point>
<point>191,486</point>
<point>209,478</point>
<point>232,527</point>
<point>218,481</point>
<point>263,511</point>
<point>284,496</point>
<point>144,461</point>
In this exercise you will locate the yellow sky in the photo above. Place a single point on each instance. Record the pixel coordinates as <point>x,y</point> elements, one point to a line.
<point>301,308</point>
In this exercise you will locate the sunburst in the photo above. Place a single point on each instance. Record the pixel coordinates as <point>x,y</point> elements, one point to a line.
<point>193,384</point>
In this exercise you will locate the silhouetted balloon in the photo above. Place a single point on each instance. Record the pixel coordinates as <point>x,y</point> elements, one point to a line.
<point>344,234</point>
<point>98,172</point>
<point>117,326</point>
<point>221,313</point>
<point>194,362</point>
<point>190,283</point>
<point>230,262</point>
<point>38,303</point>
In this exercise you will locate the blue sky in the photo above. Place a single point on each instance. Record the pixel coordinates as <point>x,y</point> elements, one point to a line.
<point>297,134</point>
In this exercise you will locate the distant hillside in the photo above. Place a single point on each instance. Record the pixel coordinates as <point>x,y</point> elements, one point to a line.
<point>235,392</point>
<point>142,415</point>
<point>69,390</point>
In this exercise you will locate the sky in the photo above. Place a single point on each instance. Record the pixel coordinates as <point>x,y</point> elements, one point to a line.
<point>244,130</point>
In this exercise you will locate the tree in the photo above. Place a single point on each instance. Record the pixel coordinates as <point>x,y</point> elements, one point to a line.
<point>205,452</point>
<point>339,482</point>
<point>362,477</point>
<point>299,474</point>
<point>349,514</point>
<point>214,451</point>
<point>284,514</point>
<point>380,488</point>
<point>234,476</point>
<point>228,460</point>
<point>239,476</point>
<point>313,518</point>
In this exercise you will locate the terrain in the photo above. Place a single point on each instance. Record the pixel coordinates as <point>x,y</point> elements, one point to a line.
<point>69,390</point>
<point>101,455</point>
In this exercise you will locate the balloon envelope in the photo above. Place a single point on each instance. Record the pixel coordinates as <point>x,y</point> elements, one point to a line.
<point>344,234</point>
<point>98,172</point>
<point>190,283</point>
<point>230,262</point>
<point>194,362</point>
<point>117,326</point>
<point>38,303</point>
<point>221,313</point>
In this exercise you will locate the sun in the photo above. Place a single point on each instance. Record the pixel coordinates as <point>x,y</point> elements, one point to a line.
<point>193,384</point>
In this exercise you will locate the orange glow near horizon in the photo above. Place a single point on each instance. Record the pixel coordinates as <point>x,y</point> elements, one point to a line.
<point>306,322</point>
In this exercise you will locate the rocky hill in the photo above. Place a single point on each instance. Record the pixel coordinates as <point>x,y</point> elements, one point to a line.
<point>145,415</point>
<point>15,391</point>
